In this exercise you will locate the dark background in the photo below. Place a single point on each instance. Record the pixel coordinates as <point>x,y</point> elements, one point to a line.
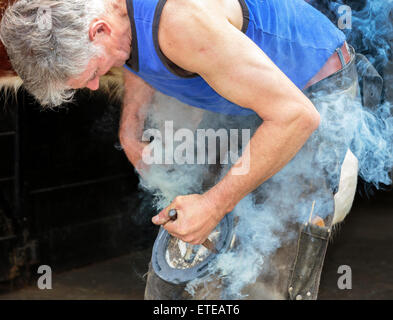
<point>68,195</point>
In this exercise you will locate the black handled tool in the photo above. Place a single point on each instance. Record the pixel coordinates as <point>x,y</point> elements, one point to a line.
<point>207,244</point>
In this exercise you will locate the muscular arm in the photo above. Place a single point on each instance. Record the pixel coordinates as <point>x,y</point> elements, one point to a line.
<point>137,95</point>
<point>200,39</point>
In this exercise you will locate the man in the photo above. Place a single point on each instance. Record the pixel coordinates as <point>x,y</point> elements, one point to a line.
<point>236,57</point>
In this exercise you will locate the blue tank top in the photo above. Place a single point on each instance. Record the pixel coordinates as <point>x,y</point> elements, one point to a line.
<point>296,37</point>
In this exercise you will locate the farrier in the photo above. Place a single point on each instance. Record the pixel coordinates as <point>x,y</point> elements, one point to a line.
<point>237,57</point>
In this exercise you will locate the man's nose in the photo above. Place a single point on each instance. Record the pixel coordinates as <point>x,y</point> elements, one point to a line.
<point>94,84</point>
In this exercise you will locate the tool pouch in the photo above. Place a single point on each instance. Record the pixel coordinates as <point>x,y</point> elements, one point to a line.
<point>370,82</point>
<point>306,272</point>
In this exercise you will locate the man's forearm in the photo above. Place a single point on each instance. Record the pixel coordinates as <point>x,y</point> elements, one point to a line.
<point>137,96</point>
<point>270,149</point>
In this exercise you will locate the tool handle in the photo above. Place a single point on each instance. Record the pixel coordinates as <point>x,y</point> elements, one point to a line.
<point>172,214</point>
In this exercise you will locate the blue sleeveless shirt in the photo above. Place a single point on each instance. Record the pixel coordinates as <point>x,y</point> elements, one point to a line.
<point>296,37</point>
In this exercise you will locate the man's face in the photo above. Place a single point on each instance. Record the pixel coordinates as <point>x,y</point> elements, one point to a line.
<point>112,36</point>
<point>90,77</point>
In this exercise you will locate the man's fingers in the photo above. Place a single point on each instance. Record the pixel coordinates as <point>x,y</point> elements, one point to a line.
<point>171,227</point>
<point>162,217</point>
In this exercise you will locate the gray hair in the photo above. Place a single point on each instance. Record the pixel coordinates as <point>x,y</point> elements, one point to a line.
<point>48,43</point>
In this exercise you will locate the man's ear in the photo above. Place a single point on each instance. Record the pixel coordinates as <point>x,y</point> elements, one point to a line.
<point>98,28</point>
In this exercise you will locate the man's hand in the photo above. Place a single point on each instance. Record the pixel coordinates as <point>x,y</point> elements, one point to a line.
<point>197,217</point>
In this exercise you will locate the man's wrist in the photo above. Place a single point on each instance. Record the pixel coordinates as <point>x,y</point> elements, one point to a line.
<point>223,202</point>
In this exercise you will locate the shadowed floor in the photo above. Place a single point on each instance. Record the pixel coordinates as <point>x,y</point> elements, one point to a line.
<point>364,242</point>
